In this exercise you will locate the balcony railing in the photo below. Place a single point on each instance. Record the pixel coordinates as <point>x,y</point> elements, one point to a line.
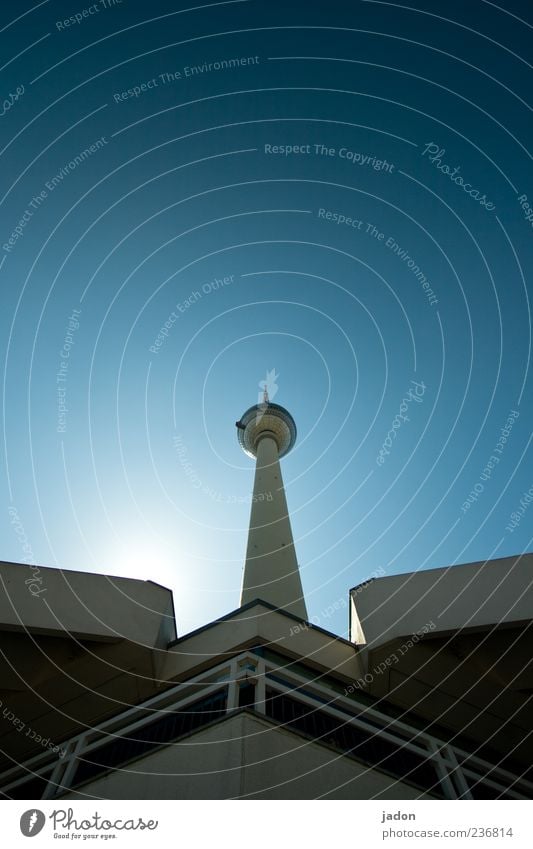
<point>309,708</point>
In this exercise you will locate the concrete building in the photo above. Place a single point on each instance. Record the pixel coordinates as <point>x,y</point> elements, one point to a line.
<point>456,646</point>
<point>430,698</point>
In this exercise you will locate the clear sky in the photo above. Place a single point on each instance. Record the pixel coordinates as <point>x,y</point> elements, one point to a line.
<point>194,196</point>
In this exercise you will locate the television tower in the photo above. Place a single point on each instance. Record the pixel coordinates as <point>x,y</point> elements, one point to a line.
<point>267,432</point>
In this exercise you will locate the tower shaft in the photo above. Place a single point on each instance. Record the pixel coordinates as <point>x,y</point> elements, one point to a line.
<point>271,569</point>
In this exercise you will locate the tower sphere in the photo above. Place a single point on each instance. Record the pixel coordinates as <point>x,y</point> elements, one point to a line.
<point>266,419</point>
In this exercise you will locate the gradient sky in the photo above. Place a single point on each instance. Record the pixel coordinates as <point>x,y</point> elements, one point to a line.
<point>187,179</point>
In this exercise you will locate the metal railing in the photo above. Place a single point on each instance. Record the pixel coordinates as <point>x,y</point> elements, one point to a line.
<point>457,772</point>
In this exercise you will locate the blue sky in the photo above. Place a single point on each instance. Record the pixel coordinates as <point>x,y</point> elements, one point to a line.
<point>194,197</point>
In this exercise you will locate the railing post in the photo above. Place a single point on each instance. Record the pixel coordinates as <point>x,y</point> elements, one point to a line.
<point>260,687</point>
<point>458,774</point>
<point>64,781</point>
<point>441,767</point>
<point>233,686</point>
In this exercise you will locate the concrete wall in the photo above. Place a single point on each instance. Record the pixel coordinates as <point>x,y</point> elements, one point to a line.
<point>476,685</point>
<point>254,625</point>
<point>52,601</point>
<point>245,757</point>
<point>474,595</point>
<point>74,648</point>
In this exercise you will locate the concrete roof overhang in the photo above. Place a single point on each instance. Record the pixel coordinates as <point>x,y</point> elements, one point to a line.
<point>470,597</point>
<point>80,648</point>
<point>259,623</point>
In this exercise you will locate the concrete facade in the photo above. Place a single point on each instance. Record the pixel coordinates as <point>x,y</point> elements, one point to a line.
<point>246,757</point>
<point>473,595</point>
<point>76,652</point>
<point>291,720</point>
<point>259,623</point>
<point>456,646</point>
